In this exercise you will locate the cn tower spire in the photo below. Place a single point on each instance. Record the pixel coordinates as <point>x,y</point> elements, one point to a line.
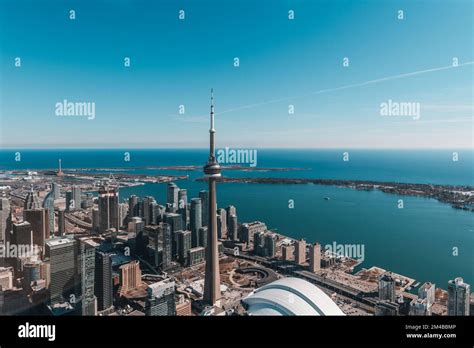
<point>212,110</point>
<point>212,170</point>
<point>212,131</point>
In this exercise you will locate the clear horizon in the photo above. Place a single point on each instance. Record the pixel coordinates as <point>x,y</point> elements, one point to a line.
<point>257,148</point>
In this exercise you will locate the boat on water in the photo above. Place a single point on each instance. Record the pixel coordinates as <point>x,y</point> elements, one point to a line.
<point>327,198</point>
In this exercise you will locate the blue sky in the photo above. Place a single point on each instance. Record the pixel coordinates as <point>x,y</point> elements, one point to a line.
<point>176,62</point>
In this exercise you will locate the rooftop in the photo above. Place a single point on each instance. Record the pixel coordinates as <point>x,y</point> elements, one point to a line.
<point>290,296</point>
<point>59,241</point>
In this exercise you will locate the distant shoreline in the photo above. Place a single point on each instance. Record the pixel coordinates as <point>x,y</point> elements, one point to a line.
<point>459,196</point>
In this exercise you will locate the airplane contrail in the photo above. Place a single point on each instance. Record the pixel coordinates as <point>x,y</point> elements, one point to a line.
<point>360,84</point>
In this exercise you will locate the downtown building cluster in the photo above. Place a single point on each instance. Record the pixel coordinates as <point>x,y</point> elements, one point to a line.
<point>120,266</point>
<point>63,273</point>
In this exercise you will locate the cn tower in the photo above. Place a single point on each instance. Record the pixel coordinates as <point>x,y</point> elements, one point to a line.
<point>212,170</point>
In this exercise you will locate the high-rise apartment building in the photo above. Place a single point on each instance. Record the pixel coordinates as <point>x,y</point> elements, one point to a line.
<point>195,221</point>
<point>204,195</point>
<point>386,285</point>
<point>160,299</point>
<point>300,251</point>
<point>86,270</point>
<point>458,297</point>
<point>314,257</point>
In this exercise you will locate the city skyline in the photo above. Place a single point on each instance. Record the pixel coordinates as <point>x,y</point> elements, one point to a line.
<point>310,160</point>
<point>175,61</point>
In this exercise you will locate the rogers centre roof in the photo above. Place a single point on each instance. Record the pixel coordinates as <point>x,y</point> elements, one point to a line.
<point>290,296</point>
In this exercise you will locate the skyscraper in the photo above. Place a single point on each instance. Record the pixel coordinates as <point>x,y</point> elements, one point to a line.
<point>258,244</point>
<point>103,280</point>
<point>61,223</point>
<point>175,221</point>
<point>182,198</point>
<point>184,244</point>
<point>73,199</point>
<point>39,220</point>
<point>148,210</point>
<point>232,228</point>
<point>22,234</point>
<point>287,252</point>
<point>458,297</point>
<point>95,220</point>
<point>314,257</point>
<point>136,225</point>
<point>212,170</point>
<point>156,212</point>
<point>122,214</point>
<point>264,244</point>
<point>69,201</point>
<point>61,253</point>
<point>204,195</point>
<point>108,207</point>
<point>427,291</point>
<point>222,224</point>
<point>56,188</point>
<point>230,210</point>
<point>300,251</point>
<point>133,206</point>
<point>247,230</point>
<point>88,201</point>
<point>166,233</point>
<point>195,220</point>
<point>5,218</point>
<point>131,276</point>
<point>86,271</point>
<point>203,236</point>
<point>386,285</point>
<point>160,299</point>
<point>32,200</point>
<point>48,204</point>
<point>270,244</point>
<point>183,206</point>
<point>76,196</point>
<point>172,196</point>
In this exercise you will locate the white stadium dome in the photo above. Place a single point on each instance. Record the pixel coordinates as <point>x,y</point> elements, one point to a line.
<point>290,296</point>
